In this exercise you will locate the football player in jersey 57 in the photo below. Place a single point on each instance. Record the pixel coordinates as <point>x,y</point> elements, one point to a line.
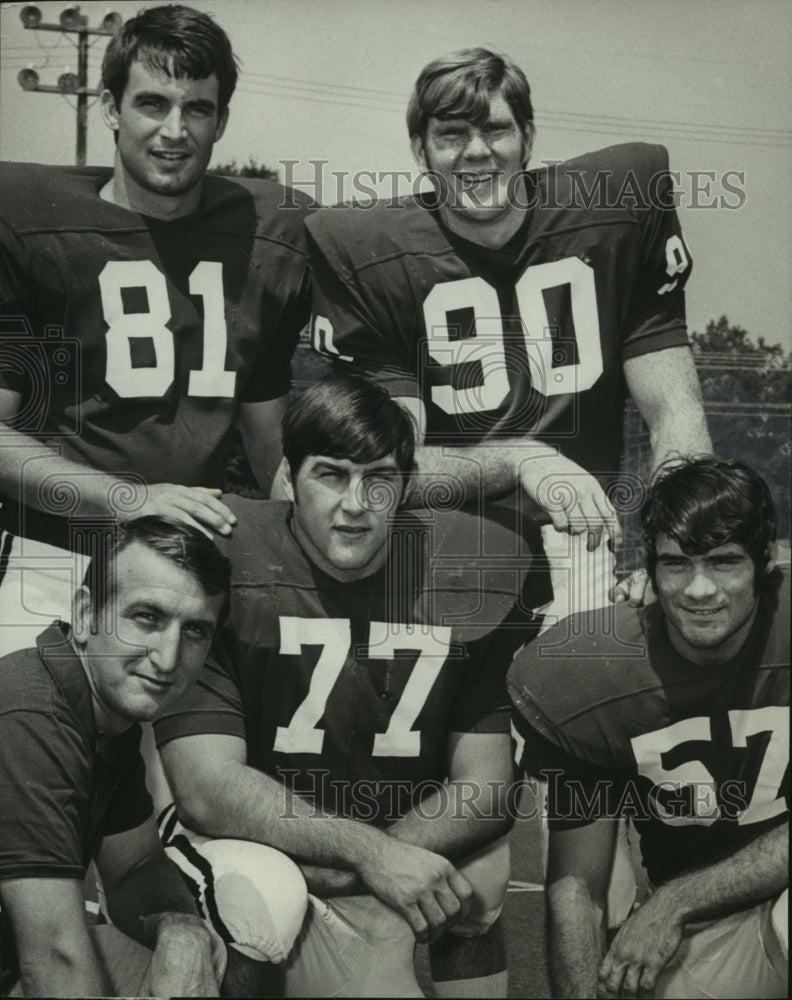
<point>677,714</point>
<point>179,297</point>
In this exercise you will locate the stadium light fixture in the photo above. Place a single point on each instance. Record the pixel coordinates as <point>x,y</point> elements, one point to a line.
<point>112,21</point>
<point>30,15</point>
<point>28,79</point>
<point>71,18</point>
<point>68,83</point>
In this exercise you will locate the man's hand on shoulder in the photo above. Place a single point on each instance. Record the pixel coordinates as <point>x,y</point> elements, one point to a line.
<point>188,960</point>
<point>573,498</point>
<point>199,507</point>
<point>422,886</point>
<point>644,945</point>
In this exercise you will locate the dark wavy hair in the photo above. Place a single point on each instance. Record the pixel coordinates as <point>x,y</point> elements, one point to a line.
<point>706,502</point>
<point>459,85</point>
<point>348,417</point>
<point>173,39</point>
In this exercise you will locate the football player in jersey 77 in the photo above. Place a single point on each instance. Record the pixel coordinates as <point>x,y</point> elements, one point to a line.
<point>362,664</point>
<point>678,715</point>
<point>146,310</point>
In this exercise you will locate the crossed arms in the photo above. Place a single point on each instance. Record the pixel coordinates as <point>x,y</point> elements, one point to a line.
<point>405,866</point>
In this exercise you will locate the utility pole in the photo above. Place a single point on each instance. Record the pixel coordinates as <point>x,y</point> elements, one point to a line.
<point>72,22</point>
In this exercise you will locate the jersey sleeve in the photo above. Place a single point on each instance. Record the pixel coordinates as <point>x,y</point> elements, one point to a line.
<point>271,376</point>
<point>44,787</point>
<point>656,319</point>
<point>15,307</point>
<point>131,803</point>
<point>344,327</point>
<point>212,706</point>
<point>575,797</point>
<point>483,703</point>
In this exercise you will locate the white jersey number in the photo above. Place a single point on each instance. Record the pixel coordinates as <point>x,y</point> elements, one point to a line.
<point>129,380</point>
<point>651,750</point>
<point>332,635</point>
<point>486,347</point>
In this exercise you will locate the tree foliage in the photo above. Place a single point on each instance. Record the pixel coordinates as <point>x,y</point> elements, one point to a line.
<point>734,369</point>
<point>249,169</point>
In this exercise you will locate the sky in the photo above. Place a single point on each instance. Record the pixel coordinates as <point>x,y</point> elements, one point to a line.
<point>328,81</point>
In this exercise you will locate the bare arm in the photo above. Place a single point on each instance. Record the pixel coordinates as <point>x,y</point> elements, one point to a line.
<point>217,794</point>
<point>565,494</point>
<point>577,884</point>
<point>148,900</point>
<point>35,473</point>
<point>56,954</point>
<point>651,936</point>
<point>467,813</point>
<point>665,388</point>
<point>260,426</point>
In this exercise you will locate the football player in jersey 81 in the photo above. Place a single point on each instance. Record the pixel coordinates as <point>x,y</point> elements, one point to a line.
<point>341,702</point>
<point>677,713</point>
<point>164,346</point>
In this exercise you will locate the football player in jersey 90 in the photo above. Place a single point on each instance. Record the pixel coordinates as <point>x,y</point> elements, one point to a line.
<point>677,713</point>
<point>180,298</point>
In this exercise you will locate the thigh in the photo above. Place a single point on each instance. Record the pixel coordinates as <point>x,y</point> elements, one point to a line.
<point>353,946</point>
<point>488,871</point>
<point>251,895</point>
<point>737,957</point>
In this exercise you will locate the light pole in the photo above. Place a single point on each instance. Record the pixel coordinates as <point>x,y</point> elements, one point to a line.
<point>73,22</point>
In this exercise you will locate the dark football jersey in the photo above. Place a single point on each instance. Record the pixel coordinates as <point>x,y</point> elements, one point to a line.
<point>348,691</point>
<point>529,338</point>
<point>132,340</point>
<point>697,757</point>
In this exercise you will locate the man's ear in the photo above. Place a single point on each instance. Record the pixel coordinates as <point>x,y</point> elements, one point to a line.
<point>109,110</point>
<point>82,615</point>
<point>284,477</point>
<point>222,121</point>
<point>417,146</point>
<point>529,134</point>
<point>772,557</point>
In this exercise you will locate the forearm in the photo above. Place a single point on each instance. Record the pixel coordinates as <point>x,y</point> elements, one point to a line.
<point>492,470</point>
<point>576,938</point>
<point>246,804</point>
<point>457,819</point>
<point>66,965</point>
<point>329,882</point>
<point>35,473</point>
<point>756,872</point>
<point>673,436</point>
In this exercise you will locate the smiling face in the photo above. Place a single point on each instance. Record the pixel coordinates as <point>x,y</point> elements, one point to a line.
<point>476,164</point>
<point>341,512</point>
<point>166,129</point>
<point>145,647</point>
<point>710,600</point>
